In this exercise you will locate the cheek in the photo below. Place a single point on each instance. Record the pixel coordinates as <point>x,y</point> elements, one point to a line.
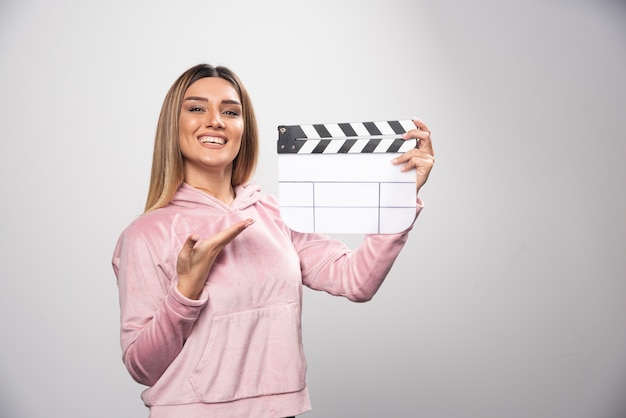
<point>239,142</point>
<point>240,130</point>
<point>187,126</point>
<point>185,136</point>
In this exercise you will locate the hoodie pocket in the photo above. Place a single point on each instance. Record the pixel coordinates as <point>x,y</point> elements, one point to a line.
<point>252,353</point>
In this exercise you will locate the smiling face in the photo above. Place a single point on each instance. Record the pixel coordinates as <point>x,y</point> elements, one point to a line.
<point>210,129</point>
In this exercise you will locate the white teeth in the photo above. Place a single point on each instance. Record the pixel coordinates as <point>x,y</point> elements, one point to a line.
<point>212,140</point>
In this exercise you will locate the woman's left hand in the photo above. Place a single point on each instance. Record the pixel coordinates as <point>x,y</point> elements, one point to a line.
<point>422,157</point>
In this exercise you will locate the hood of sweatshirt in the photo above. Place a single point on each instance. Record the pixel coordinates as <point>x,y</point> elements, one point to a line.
<point>245,196</point>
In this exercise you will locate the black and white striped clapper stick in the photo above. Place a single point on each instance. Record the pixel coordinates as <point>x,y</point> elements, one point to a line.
<point>338,177</point>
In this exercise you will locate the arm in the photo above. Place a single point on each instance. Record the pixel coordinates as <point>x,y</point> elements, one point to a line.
<point>159,307</point>
<point>328,265</point>
<point>156,318</point>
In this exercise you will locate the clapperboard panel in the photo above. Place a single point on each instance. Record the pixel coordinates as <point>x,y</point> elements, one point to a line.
<point>338,177</point>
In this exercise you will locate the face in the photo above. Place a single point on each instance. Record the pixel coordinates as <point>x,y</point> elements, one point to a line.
<point>210,128</point>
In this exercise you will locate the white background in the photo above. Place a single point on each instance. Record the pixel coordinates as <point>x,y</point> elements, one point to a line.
<point>509,299</point>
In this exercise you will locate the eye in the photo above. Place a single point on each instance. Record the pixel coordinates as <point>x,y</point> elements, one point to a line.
<point>233,113</point>
<point>196,109</point>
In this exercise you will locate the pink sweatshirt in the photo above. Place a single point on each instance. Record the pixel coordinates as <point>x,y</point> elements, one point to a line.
<point>237,351</point>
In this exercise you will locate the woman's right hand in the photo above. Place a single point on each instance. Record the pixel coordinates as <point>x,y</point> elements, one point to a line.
<point>196,258</point>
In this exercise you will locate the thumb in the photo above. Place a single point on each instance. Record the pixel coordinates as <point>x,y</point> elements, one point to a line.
<point>187,248</point>
<point>191,240</point>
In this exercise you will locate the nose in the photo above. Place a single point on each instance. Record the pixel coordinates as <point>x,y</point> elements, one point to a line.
<point>214,120</point>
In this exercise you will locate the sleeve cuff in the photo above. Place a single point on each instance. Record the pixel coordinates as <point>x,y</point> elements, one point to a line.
<point>182,305</point>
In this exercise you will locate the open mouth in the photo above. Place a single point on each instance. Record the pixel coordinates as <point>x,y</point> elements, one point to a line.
<point>212,140</point>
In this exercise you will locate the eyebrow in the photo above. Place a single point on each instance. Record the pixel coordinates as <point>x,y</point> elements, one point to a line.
<point>204,99</point>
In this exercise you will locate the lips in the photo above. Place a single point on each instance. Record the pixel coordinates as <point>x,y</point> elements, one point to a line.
<point>207,139</point>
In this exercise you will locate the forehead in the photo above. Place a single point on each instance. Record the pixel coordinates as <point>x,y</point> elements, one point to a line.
<point>208,87</point>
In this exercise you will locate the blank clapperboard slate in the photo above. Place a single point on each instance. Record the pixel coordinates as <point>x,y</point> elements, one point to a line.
<point>338,177</point>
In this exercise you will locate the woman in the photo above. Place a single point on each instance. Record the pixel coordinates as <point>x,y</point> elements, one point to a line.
<point>210,278</point>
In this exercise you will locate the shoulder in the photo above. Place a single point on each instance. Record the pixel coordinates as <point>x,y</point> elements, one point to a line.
<point>267,209</point>
<point>148,229</point>
<point>269,200</point>
<point>271,206</point>
<point>145,241</point>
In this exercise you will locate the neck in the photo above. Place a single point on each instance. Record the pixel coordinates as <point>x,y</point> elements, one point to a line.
<point>216,183</point>
<point>222,193</point>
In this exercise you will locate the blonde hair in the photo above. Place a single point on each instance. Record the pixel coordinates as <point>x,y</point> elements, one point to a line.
<point>167,161</point>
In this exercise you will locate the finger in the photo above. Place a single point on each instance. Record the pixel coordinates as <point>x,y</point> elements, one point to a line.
<point>424,142</point>
<point>421,132</point>
<point>209,248</point>
<point>408,155</point>
<point>414,158</point>
<point>185,253</point>
<point>420,164</point>
<point>227,235</point>
<point>420,124</point>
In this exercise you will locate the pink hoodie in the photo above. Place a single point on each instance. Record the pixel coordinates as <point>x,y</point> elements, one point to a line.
<point>237,351</point>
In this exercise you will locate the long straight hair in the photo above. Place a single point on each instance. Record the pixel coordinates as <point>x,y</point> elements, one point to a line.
<point>167,159</point>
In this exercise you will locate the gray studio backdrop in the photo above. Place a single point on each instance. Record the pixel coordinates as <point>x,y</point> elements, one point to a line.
<point>509,300</point>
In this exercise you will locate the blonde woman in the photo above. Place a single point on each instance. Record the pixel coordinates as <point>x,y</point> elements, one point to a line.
<point>210,278</point>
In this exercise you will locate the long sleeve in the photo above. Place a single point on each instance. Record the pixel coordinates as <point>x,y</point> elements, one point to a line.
<point>328,265</point>
<point>155,318</point>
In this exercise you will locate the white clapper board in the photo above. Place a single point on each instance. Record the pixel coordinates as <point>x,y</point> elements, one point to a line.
<point>338,177</point>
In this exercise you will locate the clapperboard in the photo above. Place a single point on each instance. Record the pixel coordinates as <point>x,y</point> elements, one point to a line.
<point>338,177</point>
